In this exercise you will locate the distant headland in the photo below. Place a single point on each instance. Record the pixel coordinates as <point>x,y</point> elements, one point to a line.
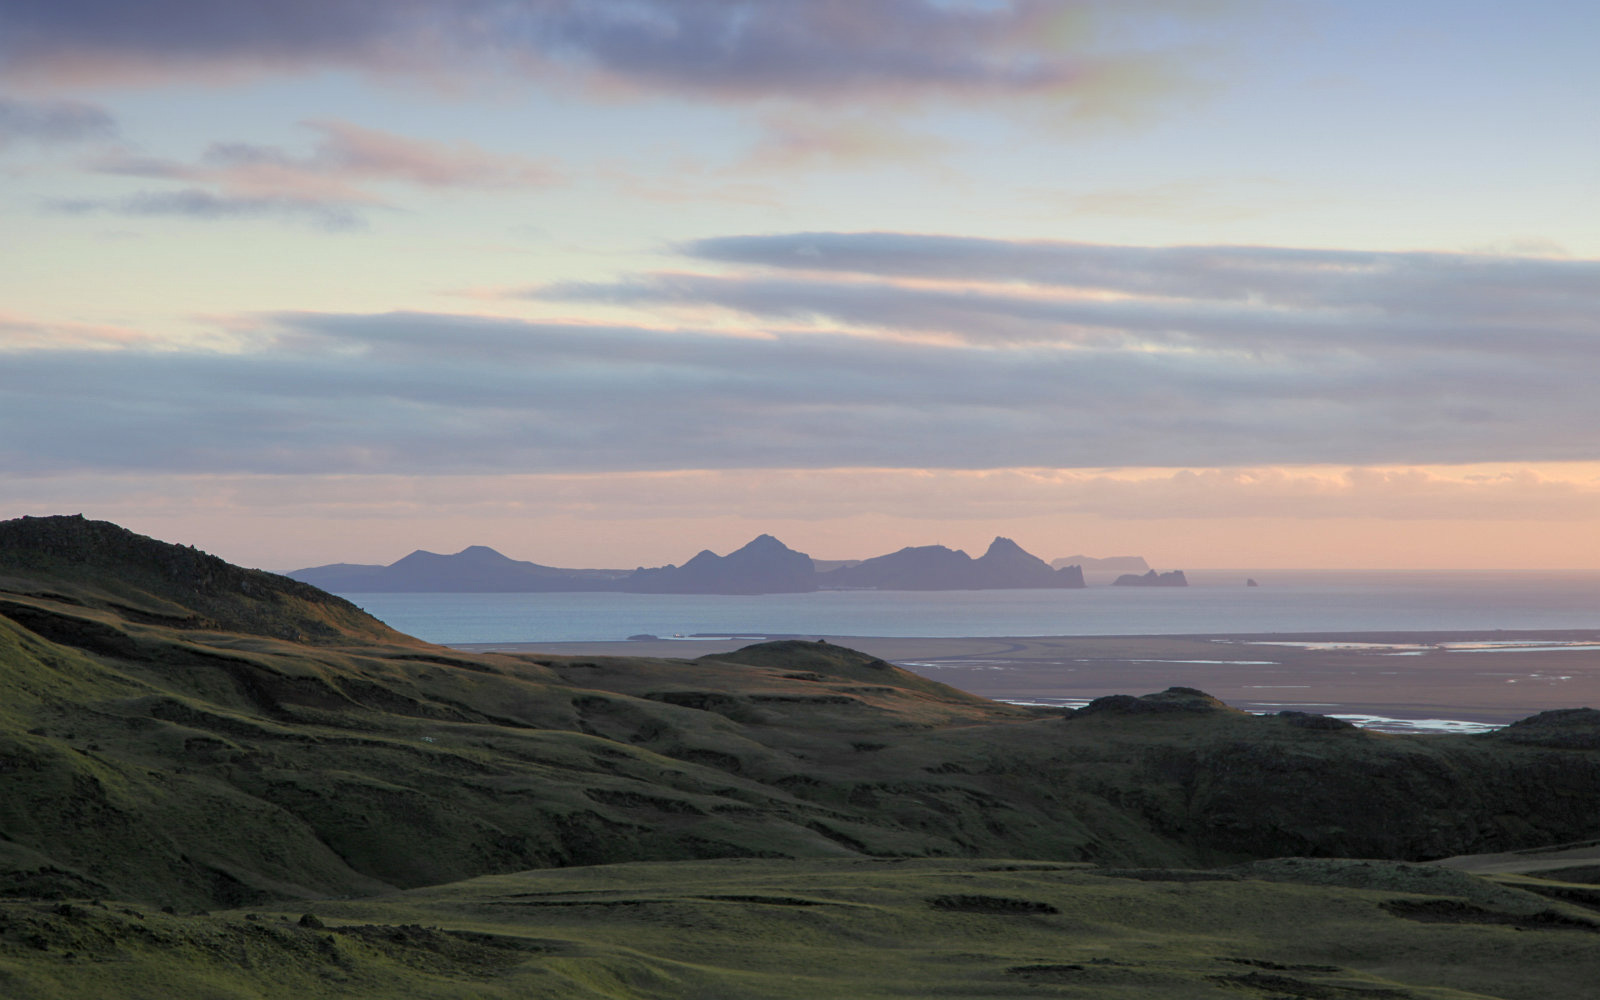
<point>763,566</point>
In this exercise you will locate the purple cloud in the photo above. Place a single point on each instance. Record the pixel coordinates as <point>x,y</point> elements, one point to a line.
<point>88,39</point>
<point>53,122</point>
<point>833,47</point>
<point>724,49</point>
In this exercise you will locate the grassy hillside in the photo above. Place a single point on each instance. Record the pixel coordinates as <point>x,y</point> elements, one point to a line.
<point>178,735</point>
<point>149,753</point>
<point>96,564</point>
<point>841,928</point>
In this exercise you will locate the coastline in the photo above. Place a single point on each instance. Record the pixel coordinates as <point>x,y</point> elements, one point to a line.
<point>1458,679</point>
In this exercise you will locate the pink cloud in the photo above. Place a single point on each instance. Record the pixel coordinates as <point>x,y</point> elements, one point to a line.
<point>796,138</point>
<point>344,155</point>
<point>336,176</point>
<point>353,151</point>
<point>19,333</point>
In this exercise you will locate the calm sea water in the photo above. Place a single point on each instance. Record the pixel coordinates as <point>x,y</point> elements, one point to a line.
<point>1216,602</point>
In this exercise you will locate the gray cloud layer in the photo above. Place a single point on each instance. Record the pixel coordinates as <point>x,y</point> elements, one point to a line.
<point>736,49</point>
<point>52,122</point>
<point>1244,307</point>
<point>196,203</point>
<point>1288,357</point>
<point>1458,285</point>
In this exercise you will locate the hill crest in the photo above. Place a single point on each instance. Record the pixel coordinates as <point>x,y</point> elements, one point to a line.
<point>99,564</point>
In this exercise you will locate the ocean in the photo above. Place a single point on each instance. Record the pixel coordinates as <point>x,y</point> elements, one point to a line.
<point>1216,602</point>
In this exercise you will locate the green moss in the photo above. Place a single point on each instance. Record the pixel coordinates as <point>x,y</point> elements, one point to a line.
<point>800,929</point>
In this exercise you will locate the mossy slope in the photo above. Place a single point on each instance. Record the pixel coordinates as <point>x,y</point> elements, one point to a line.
<point>182,732</point>
<point>794,930</point>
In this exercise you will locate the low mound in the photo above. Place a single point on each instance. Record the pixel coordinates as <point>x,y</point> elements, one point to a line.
<point>834,661</point>
<point>1569,728</point>
<point>1396,876</point>
<point>821,656</point>
<point>102,565</point>
<point>1173,700</point>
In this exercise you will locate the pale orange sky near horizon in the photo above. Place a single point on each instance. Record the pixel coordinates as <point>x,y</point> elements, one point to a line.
<point>1461,518</point>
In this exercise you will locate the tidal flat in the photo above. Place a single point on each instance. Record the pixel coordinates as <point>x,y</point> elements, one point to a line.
<point>1476,679</point>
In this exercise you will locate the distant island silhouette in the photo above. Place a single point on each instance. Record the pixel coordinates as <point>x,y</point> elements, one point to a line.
<point>476,569</point>
<point>1005,566</point>
<point>1152,579</point>
<point>1110,564</point>
<point>763,566</point>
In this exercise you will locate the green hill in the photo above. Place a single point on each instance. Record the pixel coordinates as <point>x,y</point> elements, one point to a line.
<point>178,732</point>
<point>867,929</point>
<point>76,562</point>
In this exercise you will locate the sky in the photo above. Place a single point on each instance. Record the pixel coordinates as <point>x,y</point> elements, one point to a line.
<point>1222,283</point>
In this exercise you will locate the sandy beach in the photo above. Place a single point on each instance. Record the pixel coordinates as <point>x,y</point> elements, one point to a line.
<point>1475,677</point>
